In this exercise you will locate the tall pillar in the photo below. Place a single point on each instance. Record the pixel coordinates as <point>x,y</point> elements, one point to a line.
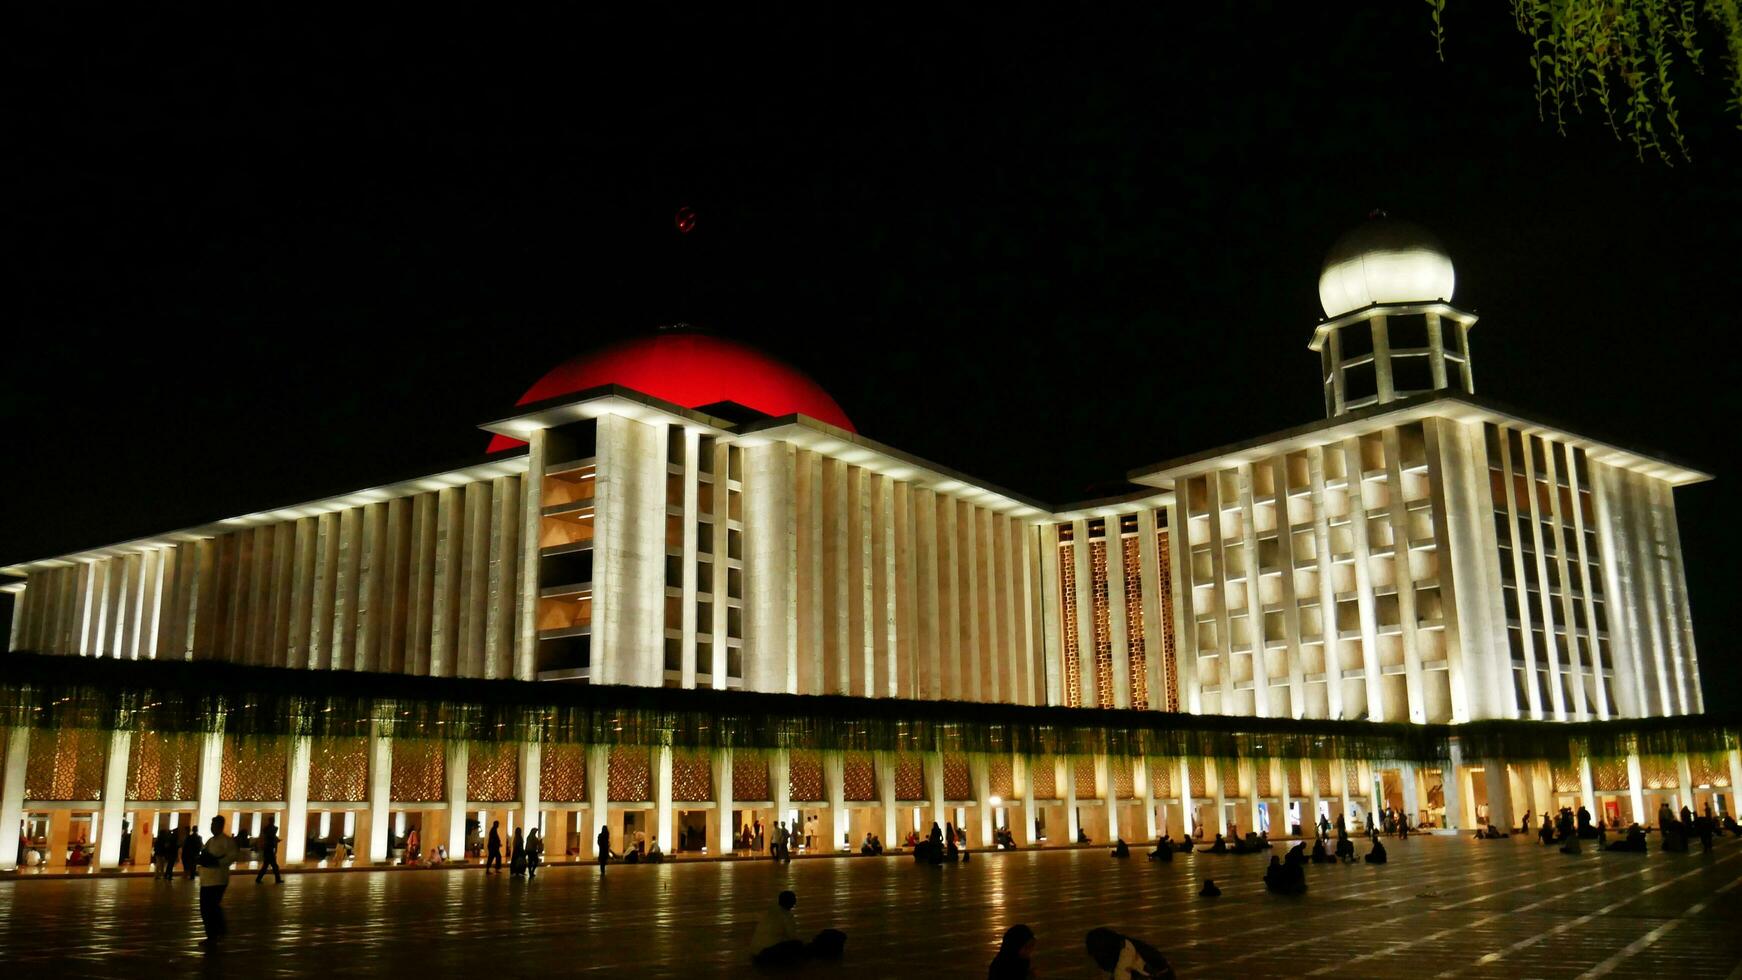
<point>380,794</point>
<point>598,799</point>
<point>110,846</point>
<point>1279,779</point>
<point>662,797</point>
<point>1185,797</point>
<point>1542,792</point>
<point>983,796</point>
<point>1309,780</point>
<point>1374,803</point>
<point>835,793</point>
<point>1109,792</point>
<point>1452,787</point>
<point>883,764</point>
<point>1735,781</point>
<point>780,780</point>
<point>457,762</point>
<point>294,831</point>
<point>1636,788</point>
<point>13,792</point>
<point>725,829</point>
<point>531,772</point>
<point>1022,784</point>
<point>211,772</point>
<point>1251,768</point>
<point>1146,792</point>
<point>1411,792</point>
<point>1340,784</point>
<point>1684,782</point>
<point>1219,825</point>
<point>1067,778</point>
<point>1587,786</point>
<point>934,782</point>
<point>1499,794</point>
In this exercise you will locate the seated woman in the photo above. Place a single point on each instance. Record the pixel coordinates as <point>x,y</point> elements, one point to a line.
<point>1123,957</point>
<point>1120,848</point>
<point>1319,854</point>
<point>1163,849</point>
<point>1083,836</point>
<point>1377,855</point>
<point>1345,849</point>
<point>1220,846</point>
<point>654,854</point>
<point>867,849</point>
<point>1186,844</point>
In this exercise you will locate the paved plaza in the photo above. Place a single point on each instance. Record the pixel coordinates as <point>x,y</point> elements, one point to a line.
<point>1451,907</point>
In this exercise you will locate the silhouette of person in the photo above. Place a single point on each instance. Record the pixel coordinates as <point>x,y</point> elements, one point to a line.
<point>604,843</point>
<point>493,858</point>
<point>269,853</point>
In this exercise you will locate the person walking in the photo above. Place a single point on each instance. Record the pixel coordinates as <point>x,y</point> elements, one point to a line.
<point>517,855</point>
<point>493,856</point>
<point>604,845</point>
<point>534,853</point>
<point>215,859</point>
<point>269,854</point>
<point>761,838</point>
<point>190,853</point>
<point>163,852</point>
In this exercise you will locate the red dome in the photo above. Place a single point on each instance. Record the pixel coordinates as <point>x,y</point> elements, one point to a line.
<point>692,370</point>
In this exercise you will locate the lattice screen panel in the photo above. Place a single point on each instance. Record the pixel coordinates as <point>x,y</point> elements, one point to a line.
<point>1709,770</point>
<point>630,779</point>
<point>1162,773</point>
<point>1322,777</point>
<point>806,776</point>
<point>692,776</point>
<point>1103,621</point>
<point>1134,641</point>
<point>562,772</point>
<point>858,777</point>
<point>65,764</point>
<point>254,769</point>
<point>1068,616</point>
<point>909,778</point>
<point>1609,776</point>
<point>1119,771</point>
<point>958,783</point>
<point>1000,777</point>
<point>1658,771</point>
<point>164,766</point>
<point>1291,768</point>
<point>750,776</point>
<point>1565,779</point>
<point>338,770</point>
<point>1043,778</point>
<point>419,770</point>
<point>493,772</point>
<point>1164,582</point>
<point>1083,773</point>
<point>1261,771</point>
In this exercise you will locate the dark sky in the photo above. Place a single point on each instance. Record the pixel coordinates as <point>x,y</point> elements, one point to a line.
<point>255,263</point>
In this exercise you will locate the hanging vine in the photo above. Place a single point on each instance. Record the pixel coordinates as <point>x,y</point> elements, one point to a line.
<point>1622,56</point>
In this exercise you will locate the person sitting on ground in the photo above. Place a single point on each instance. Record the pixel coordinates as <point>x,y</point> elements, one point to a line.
<point>1345,849</point>
<point>776,941</point>
<point>912,839</point>
<point>1273,875</point>
<point>876,844</point>
<point>1015,953</point>
<point>1319,854</point>
<point>1210,890</point>
<point>1263,840</point>
<point>1163,849</point>
<point>1602,836</point>
<point>866,849</point>
<point>1220,846</point>
<point>1083,836</point>
<point>1634,841</point>
<point>1732,826</point>
<point>1297,853</point>
<point>1120,848</point>
<point>1493,833</point>
<point>1377,855</point>
<point>1546,834</point>
<point>1187,843</point>
<point>1122,957</point>
<point>1586,830</point>
<point>654,854</point>
<point>1572,845</point>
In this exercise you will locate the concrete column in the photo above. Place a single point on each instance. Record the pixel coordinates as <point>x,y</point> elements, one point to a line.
<point>1542,791</point>
<point>1104,768</point>
<point>1371,779</point>
<point>598,798</point>
<point>1340,783</point>
<point>110,846</point>
<point>983,795</point>
<point>1411,793</point>
<point>531,771</point>
<point>883,764</point>
<point>1023,784</point>
<point>1499,794</point>
<point>381,795</point>
<point>211,770</point>
<point>1684,781</point>
<point>1249,768</point>
<point>1219,825</point>
<point>531,517</point>
<point>934,783</point>
<point>1185,797</point>
<point>1587,786</point>
<point>662,797</point>
<point>1279,780</point>
<point>457,761</point>
<point>294,830</point>
<point>1636,788</point>
<point>1452,785</point>
<point>1735,780</point>
<point>725,829</point>
<point>835,793</point>
<point>1146,792</point>
<point>1066,777</point>
<point>780,783</point>
<point>1309,779</point>
<point>13,792</point>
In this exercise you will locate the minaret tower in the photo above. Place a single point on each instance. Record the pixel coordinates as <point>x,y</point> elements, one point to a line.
<point>1389,331</point>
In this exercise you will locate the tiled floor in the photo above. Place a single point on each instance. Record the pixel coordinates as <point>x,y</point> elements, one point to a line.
<point>1443,906</point>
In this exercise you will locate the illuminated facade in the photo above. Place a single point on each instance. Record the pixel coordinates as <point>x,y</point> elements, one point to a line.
<point>680,512</point>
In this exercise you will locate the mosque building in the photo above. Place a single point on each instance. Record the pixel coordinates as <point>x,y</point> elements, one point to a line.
<point>681,595</point>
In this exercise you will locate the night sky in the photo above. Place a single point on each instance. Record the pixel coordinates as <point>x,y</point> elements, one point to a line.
<point>257,263</point>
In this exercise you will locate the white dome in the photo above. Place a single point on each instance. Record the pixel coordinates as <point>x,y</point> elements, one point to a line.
<point>1384,261</point>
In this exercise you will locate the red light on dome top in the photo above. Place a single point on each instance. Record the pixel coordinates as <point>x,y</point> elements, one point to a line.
<point>685,219</point>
